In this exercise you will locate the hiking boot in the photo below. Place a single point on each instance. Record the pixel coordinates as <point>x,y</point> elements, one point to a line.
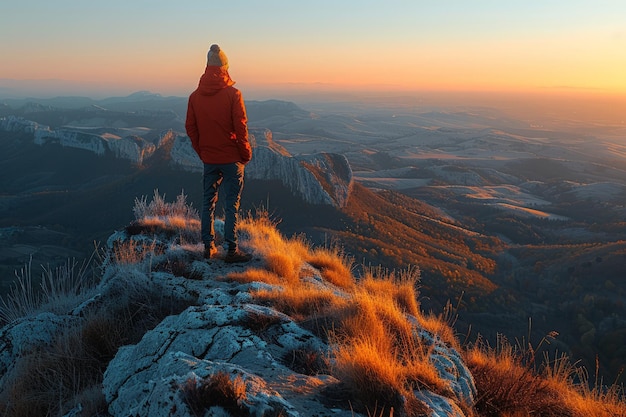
<point>209,250</point>
<point>236,256</point>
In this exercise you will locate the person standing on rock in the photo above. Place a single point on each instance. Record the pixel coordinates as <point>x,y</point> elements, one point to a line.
<point>217,125</point>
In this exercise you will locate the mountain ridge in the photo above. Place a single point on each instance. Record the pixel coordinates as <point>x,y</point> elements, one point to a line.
<point>560,219</point>
<point>320,179</point>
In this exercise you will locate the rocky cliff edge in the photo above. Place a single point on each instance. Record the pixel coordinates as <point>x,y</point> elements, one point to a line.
<point>282,335</point>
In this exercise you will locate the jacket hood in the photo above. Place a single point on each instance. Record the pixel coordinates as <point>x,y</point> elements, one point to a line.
<point>214,79</point>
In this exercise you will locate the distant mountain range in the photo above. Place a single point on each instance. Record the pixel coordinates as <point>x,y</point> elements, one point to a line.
<point>509,221</point>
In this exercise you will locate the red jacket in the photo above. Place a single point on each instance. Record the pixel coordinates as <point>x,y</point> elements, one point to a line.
<point>216,119</point>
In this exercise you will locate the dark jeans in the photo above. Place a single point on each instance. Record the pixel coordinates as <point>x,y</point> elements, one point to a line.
<point>228,177</point>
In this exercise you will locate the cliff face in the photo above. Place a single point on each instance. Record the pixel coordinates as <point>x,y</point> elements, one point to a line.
<point>323,178</point>
<point>131,147</point>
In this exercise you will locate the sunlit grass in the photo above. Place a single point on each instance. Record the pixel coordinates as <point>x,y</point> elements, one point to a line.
<point>581,395</point>
<point>256,275</point>
<point>285,265</point>
<point>376,348</point>
<point>334,265</point>
<point>300,301</point>
<point>508,384</point>
<point>259,232</point>
<point>171,222</point>
<point>398,286</point>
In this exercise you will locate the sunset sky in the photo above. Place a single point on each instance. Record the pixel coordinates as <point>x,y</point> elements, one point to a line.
<point>399,45</point>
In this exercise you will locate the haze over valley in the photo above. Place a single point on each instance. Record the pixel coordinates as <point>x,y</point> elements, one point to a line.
<point>514,217</point>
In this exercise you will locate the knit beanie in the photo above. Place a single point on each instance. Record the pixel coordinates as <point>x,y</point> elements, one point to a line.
<point>216,57</point>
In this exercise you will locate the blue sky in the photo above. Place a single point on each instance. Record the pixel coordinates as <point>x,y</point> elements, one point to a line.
<point>438,45</point>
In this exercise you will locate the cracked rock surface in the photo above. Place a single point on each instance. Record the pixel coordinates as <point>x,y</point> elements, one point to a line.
<point>221,331</point>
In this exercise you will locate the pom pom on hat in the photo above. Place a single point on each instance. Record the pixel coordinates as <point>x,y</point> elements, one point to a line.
<point>216,57</point>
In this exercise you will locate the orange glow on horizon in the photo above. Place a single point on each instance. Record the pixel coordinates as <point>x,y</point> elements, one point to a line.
<point>524,47</point>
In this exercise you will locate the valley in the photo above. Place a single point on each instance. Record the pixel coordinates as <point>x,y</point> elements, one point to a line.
<point>520,223</point>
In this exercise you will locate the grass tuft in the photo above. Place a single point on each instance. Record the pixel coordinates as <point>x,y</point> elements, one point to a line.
<point>158,207</point>
<point>399,286</point>
<point>507,386</point>
<point>379,354</point>
<point>255,275</point>
<point>22,299</point>
<point>59,289</point>
<point>133,252</point>
<point>217,390</point>
<point>334,264</point>
<point>284,265</point>
<point>300,301</point>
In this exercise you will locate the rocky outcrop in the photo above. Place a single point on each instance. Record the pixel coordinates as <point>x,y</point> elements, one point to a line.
<point>223,333</point>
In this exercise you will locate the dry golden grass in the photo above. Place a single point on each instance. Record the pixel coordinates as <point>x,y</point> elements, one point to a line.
<point>335,267</point>
<point>599,401</point>
<point>368,365</point>
<point>508,386</point>
<point>261,234</point>
<point>596,403</point>
<point>376,313</point>
<point>398,286</point>
<point>379,352</point>
<point>301,301</point>
<point>158,216</point>
<point>188,229</point>
<point>180,222</point>
<point>255,275</point>
<point>435,324</point>
<point>284,265</point>
<point>376,350</point>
